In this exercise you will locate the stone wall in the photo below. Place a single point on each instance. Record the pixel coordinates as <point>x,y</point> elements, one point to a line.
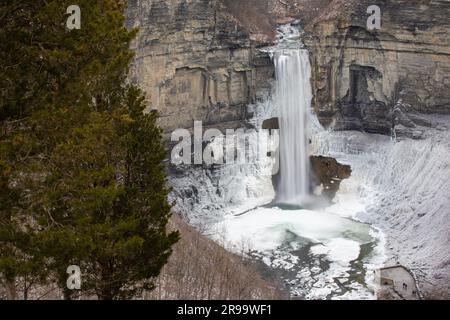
<point>372,80</point>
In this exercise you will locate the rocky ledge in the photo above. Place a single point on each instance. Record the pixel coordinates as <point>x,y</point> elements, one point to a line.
<point>361,77</point>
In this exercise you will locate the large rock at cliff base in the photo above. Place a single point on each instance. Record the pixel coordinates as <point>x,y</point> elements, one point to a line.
<point>328,173</point>
<point>271,124</point>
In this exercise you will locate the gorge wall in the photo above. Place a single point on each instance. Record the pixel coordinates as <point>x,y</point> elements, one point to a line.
<point>261,17</point>
<point>200,59</point>
<point>196,62</point>
<point>381,80</point>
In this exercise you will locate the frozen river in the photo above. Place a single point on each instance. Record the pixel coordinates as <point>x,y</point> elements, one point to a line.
<point>316,254</point>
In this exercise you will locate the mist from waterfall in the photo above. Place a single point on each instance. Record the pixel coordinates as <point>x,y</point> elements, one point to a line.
<point>293,100</point>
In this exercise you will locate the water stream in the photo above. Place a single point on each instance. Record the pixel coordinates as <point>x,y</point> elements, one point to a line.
<point>293,100</point>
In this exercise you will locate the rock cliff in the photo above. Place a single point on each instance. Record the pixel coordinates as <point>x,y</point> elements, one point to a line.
<point>381,80</point>
<point>200,59</point>
<point>196,62</point>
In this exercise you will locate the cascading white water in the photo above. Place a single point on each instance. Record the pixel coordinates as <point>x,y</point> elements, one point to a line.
<point>293,100</point>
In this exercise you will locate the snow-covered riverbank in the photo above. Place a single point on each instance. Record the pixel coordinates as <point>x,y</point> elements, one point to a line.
<point>400,187</point>
<point>405,186</point>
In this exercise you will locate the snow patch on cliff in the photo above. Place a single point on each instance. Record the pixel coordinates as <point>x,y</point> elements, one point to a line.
<point>204,194</point>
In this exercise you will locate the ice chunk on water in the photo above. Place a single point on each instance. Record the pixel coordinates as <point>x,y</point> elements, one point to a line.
<point>338,250</point>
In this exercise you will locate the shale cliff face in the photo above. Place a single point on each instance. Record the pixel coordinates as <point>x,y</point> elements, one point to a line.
<point>380,81</point>
<point>196,62</point>
<point>199,59</point>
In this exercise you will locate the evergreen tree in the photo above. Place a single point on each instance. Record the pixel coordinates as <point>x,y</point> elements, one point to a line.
<point>81,164</point>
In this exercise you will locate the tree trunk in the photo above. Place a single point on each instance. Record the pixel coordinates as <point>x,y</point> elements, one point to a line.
<point>11,290</point>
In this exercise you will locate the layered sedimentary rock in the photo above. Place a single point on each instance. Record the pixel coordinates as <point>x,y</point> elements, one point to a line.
<point>199,59</point>
<point>382,79</point>
<point>195,62</point>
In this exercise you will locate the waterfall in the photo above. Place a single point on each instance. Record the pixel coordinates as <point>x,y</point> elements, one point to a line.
<point>293,100</point>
